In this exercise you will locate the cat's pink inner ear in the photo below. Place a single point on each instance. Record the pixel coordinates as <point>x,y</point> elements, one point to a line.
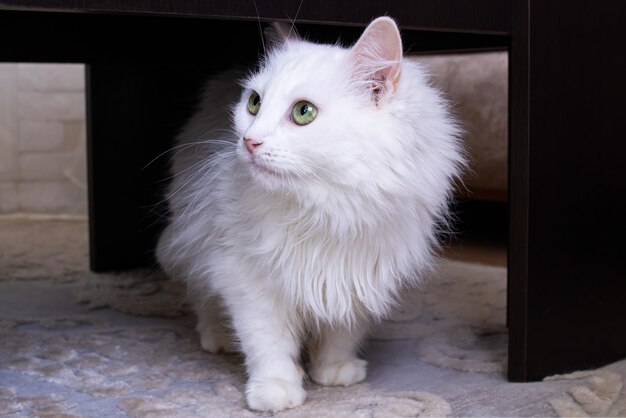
<point>377,56</point>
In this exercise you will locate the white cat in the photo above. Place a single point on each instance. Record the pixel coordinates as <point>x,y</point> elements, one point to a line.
<point>301,211</point>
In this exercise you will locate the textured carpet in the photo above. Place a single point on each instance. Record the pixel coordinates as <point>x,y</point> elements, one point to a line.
<point>129,349</point>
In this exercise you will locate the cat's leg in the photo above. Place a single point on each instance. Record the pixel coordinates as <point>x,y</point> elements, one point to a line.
<point>164,251</point>
<point>214,335</point>
<point>269,335</point>
<point>334,360</point>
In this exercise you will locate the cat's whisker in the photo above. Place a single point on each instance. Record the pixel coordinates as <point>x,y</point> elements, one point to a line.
<point>283,190</point>
<point>219,173</point>
<point>191,178</point>
<point>260,27</point>
<point>190,144</point>
<point>184,146</point>
<point>297,190</point>
<point>208,163</point>
<point>199,192</point>
<point>195,165</point>
<point>213,165</point>
<point>228,130</point>
<point>223,141</point>
<point>312,176</point>
<point>293,22</point>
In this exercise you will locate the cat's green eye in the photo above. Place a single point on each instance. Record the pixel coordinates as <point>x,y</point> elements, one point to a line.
<point>254,103</point>
<point>303,112</point>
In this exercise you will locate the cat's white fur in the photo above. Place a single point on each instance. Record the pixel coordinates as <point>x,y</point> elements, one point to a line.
<point>311,236</point>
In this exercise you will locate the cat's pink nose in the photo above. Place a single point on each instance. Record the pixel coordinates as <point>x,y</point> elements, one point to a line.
<point>251,144</point>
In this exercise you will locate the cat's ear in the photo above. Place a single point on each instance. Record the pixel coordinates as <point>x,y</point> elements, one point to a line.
<point>279,33</point>
<point>376,58</point>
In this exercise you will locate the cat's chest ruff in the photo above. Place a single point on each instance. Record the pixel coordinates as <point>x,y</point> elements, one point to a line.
<point>327,276</point>
<point>330,265</point>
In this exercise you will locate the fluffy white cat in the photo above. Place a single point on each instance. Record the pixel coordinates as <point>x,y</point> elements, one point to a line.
<point>299,212</point>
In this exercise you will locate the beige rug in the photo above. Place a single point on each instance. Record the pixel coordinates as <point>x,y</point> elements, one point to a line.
<point>129,348</point>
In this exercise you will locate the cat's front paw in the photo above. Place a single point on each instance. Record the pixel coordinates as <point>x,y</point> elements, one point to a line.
<point>342,373</point>
<point>274,394</point>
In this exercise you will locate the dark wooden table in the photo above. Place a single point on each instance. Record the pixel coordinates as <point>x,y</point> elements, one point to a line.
<point>567,282</point>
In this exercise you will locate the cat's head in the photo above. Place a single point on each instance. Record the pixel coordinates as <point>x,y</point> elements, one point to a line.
<point>317,118</point>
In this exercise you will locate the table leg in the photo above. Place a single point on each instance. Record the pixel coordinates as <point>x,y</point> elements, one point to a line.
<point>134,111</point>
<point>567,283</point>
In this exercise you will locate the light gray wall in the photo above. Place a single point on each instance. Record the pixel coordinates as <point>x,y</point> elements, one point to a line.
<point>42,139</point>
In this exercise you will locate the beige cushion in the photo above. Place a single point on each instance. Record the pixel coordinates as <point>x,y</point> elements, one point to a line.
<point>477,86</point>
